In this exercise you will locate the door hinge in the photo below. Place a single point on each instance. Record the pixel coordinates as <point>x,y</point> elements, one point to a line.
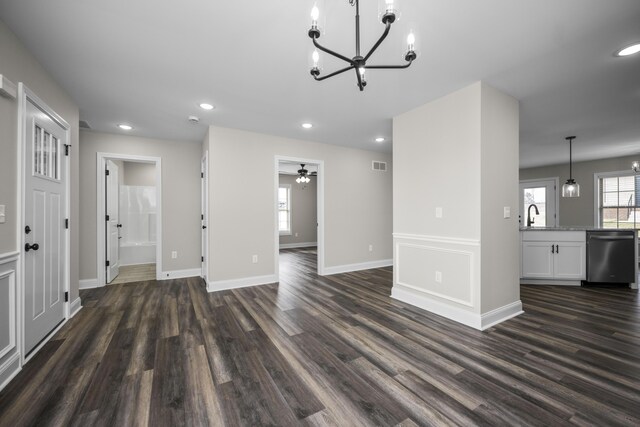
<point>201,217</point>
<point>107,217</point>
<point>66,297</point>
<point>106,172</point>
<point>66,223</point>
<point>67,147</point>
<point>202,259</point>
<point>201,174</point>
<point>107,263</point>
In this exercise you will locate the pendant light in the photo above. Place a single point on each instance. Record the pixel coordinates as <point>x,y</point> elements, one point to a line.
<point>570,188</point>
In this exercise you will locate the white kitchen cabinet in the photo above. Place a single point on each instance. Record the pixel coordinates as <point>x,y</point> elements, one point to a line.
<point>553,255</point>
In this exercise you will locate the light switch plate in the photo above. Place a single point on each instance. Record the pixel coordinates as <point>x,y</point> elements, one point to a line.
<point>438,212</point>
<point>507,212</point>
<point>3,218</point>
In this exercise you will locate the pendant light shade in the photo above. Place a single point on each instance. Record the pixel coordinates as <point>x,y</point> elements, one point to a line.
<point>570,188</point>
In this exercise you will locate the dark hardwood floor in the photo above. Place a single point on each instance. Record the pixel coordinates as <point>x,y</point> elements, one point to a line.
<point>332,350</point>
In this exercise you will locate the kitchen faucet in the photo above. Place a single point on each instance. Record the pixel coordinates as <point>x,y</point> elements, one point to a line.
<point>530,220</point>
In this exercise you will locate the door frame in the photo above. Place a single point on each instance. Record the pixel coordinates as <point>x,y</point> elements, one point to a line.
<point>24,96</point>
<point>204,201</point>
<point>556,183</point>
<point>320,207</point>
<point>101,164</point>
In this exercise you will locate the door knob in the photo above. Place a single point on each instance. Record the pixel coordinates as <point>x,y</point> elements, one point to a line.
<point>28,247</point>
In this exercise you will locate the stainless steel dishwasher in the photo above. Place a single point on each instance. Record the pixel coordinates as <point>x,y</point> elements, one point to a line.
<point>611,256</point>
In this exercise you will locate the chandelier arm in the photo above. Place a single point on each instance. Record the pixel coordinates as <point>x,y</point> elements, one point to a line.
<point>335,73</point>
<point>330,52</point>
<point>380,40</point>
<point>388,67</point>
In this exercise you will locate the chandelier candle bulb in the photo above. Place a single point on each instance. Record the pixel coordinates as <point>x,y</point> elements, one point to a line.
<point>411,42</point>
<point>316,57</point>
<point>315,14</point>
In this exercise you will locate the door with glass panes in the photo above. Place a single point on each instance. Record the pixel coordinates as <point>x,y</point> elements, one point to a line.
<point>538,203</point>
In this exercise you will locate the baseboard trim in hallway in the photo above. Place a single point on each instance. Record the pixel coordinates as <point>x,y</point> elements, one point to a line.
<point>347,268</point>
<point>244,282</point>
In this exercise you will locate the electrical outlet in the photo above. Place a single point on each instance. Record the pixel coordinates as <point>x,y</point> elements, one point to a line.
<point>174,254</point>
<point>439,212</point>
<point>438,277</point>
<point>254,259</point>
<point>297,234</point>
<point>370,248</point>
<point>3,218</point>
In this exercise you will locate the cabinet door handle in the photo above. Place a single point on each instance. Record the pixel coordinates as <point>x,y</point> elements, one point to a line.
<point>553,250</point>
<point>557,249</point>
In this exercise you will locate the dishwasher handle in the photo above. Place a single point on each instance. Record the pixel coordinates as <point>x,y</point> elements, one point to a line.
<point>611,237</point>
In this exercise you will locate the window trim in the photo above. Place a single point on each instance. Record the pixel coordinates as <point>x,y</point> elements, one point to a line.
<point>289,231</point>
<point>596,191</point>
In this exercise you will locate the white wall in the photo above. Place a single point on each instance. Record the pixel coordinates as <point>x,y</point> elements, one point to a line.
<point>304,210</point>
<point>242,210</point>
<point>140,174</point>
<point>458,155</point>
<point>579,210</point>
<point>180,196</point>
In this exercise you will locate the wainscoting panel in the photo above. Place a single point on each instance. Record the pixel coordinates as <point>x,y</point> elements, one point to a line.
<point>9,344</point>
<point>439,274</point>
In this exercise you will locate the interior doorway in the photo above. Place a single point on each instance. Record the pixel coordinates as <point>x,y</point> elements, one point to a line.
<point>129,226</point>
<point>299,210</point>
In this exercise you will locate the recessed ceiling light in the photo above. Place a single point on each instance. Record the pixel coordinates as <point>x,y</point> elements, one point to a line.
<point>629,50</point>
<point>125,127</point>
<point>379,139</point>
<point>307,125</point>
<point>206,106</point>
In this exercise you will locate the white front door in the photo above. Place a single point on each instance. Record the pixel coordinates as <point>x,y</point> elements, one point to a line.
<point>45,208</point>
<point>112,220</point>
<point>204,201</point>
<point>540,194</point>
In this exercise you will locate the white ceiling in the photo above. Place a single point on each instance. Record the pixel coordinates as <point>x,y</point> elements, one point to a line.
<point>151,63</point>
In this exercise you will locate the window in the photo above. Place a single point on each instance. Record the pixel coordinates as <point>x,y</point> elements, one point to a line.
<point>46,154</point>
<point>284,209</point>
<point>618,200</point>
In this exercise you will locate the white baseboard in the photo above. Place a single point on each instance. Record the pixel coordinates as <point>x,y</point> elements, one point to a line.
<point>9,370</point>
<point>180,274</point>
<point>460,315</point>
<point>223,285</point>
<point>425,302</point>
<point>357,267</point>
<point>298,245</point>
<point>500,314</point>
<point>88,284</point>
<point>75,307</point>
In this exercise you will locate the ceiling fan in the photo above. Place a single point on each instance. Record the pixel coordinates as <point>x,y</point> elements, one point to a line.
<point>304,174</point>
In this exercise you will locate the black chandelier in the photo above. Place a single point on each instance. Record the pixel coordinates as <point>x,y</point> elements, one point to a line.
<point>359,62</point>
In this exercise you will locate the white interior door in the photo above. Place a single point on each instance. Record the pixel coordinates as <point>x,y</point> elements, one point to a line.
<point>543,194</point>
<point>204,200</point>
<point>112,220</point>
<point>45,207</point>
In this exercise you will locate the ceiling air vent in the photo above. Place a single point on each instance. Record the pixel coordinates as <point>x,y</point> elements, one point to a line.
<point>84,124</point>
<point>379,166</point>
